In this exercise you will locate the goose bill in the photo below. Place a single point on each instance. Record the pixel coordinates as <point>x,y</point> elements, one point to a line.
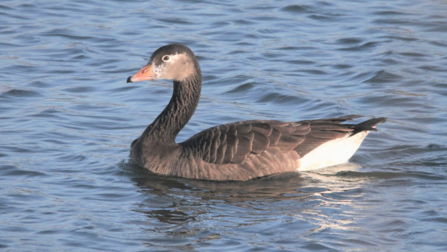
<point>145,73</point>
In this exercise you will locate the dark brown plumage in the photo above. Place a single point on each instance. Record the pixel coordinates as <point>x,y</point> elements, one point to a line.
<point>234,151</point>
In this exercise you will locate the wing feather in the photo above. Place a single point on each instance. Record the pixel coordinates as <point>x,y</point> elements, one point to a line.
<point>221,153</point>
<point>213,146</point>
<point>288,143</point>
<point>263,128</point>
<point>260,142</point>
<point>274,137</point>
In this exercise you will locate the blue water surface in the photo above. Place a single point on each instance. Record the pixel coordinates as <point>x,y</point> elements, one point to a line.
<point>67,118</point>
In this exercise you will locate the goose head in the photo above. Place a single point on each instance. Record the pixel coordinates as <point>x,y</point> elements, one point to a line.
<point>171,62</point>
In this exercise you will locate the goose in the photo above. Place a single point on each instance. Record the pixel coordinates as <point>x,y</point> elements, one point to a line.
<point>234,151</point>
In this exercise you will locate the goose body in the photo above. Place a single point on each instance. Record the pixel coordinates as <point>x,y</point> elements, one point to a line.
<point>235,151</point>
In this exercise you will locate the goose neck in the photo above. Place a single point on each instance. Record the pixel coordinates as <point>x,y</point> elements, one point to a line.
<point>181,107</point>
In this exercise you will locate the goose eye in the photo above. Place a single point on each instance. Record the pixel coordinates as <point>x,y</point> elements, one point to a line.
<point>165,58</point>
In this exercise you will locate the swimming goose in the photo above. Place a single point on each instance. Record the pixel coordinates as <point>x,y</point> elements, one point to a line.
<point>234,151</point>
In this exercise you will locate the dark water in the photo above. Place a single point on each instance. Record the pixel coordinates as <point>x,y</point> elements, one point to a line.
<point>67,118</point>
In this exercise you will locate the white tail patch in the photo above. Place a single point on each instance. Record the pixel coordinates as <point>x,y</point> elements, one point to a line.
<point>334,152</point>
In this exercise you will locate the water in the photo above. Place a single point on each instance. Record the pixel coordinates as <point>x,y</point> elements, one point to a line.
<point>67,118</point>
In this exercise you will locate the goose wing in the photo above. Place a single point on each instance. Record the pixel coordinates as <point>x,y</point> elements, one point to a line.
<point>232,143</point>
